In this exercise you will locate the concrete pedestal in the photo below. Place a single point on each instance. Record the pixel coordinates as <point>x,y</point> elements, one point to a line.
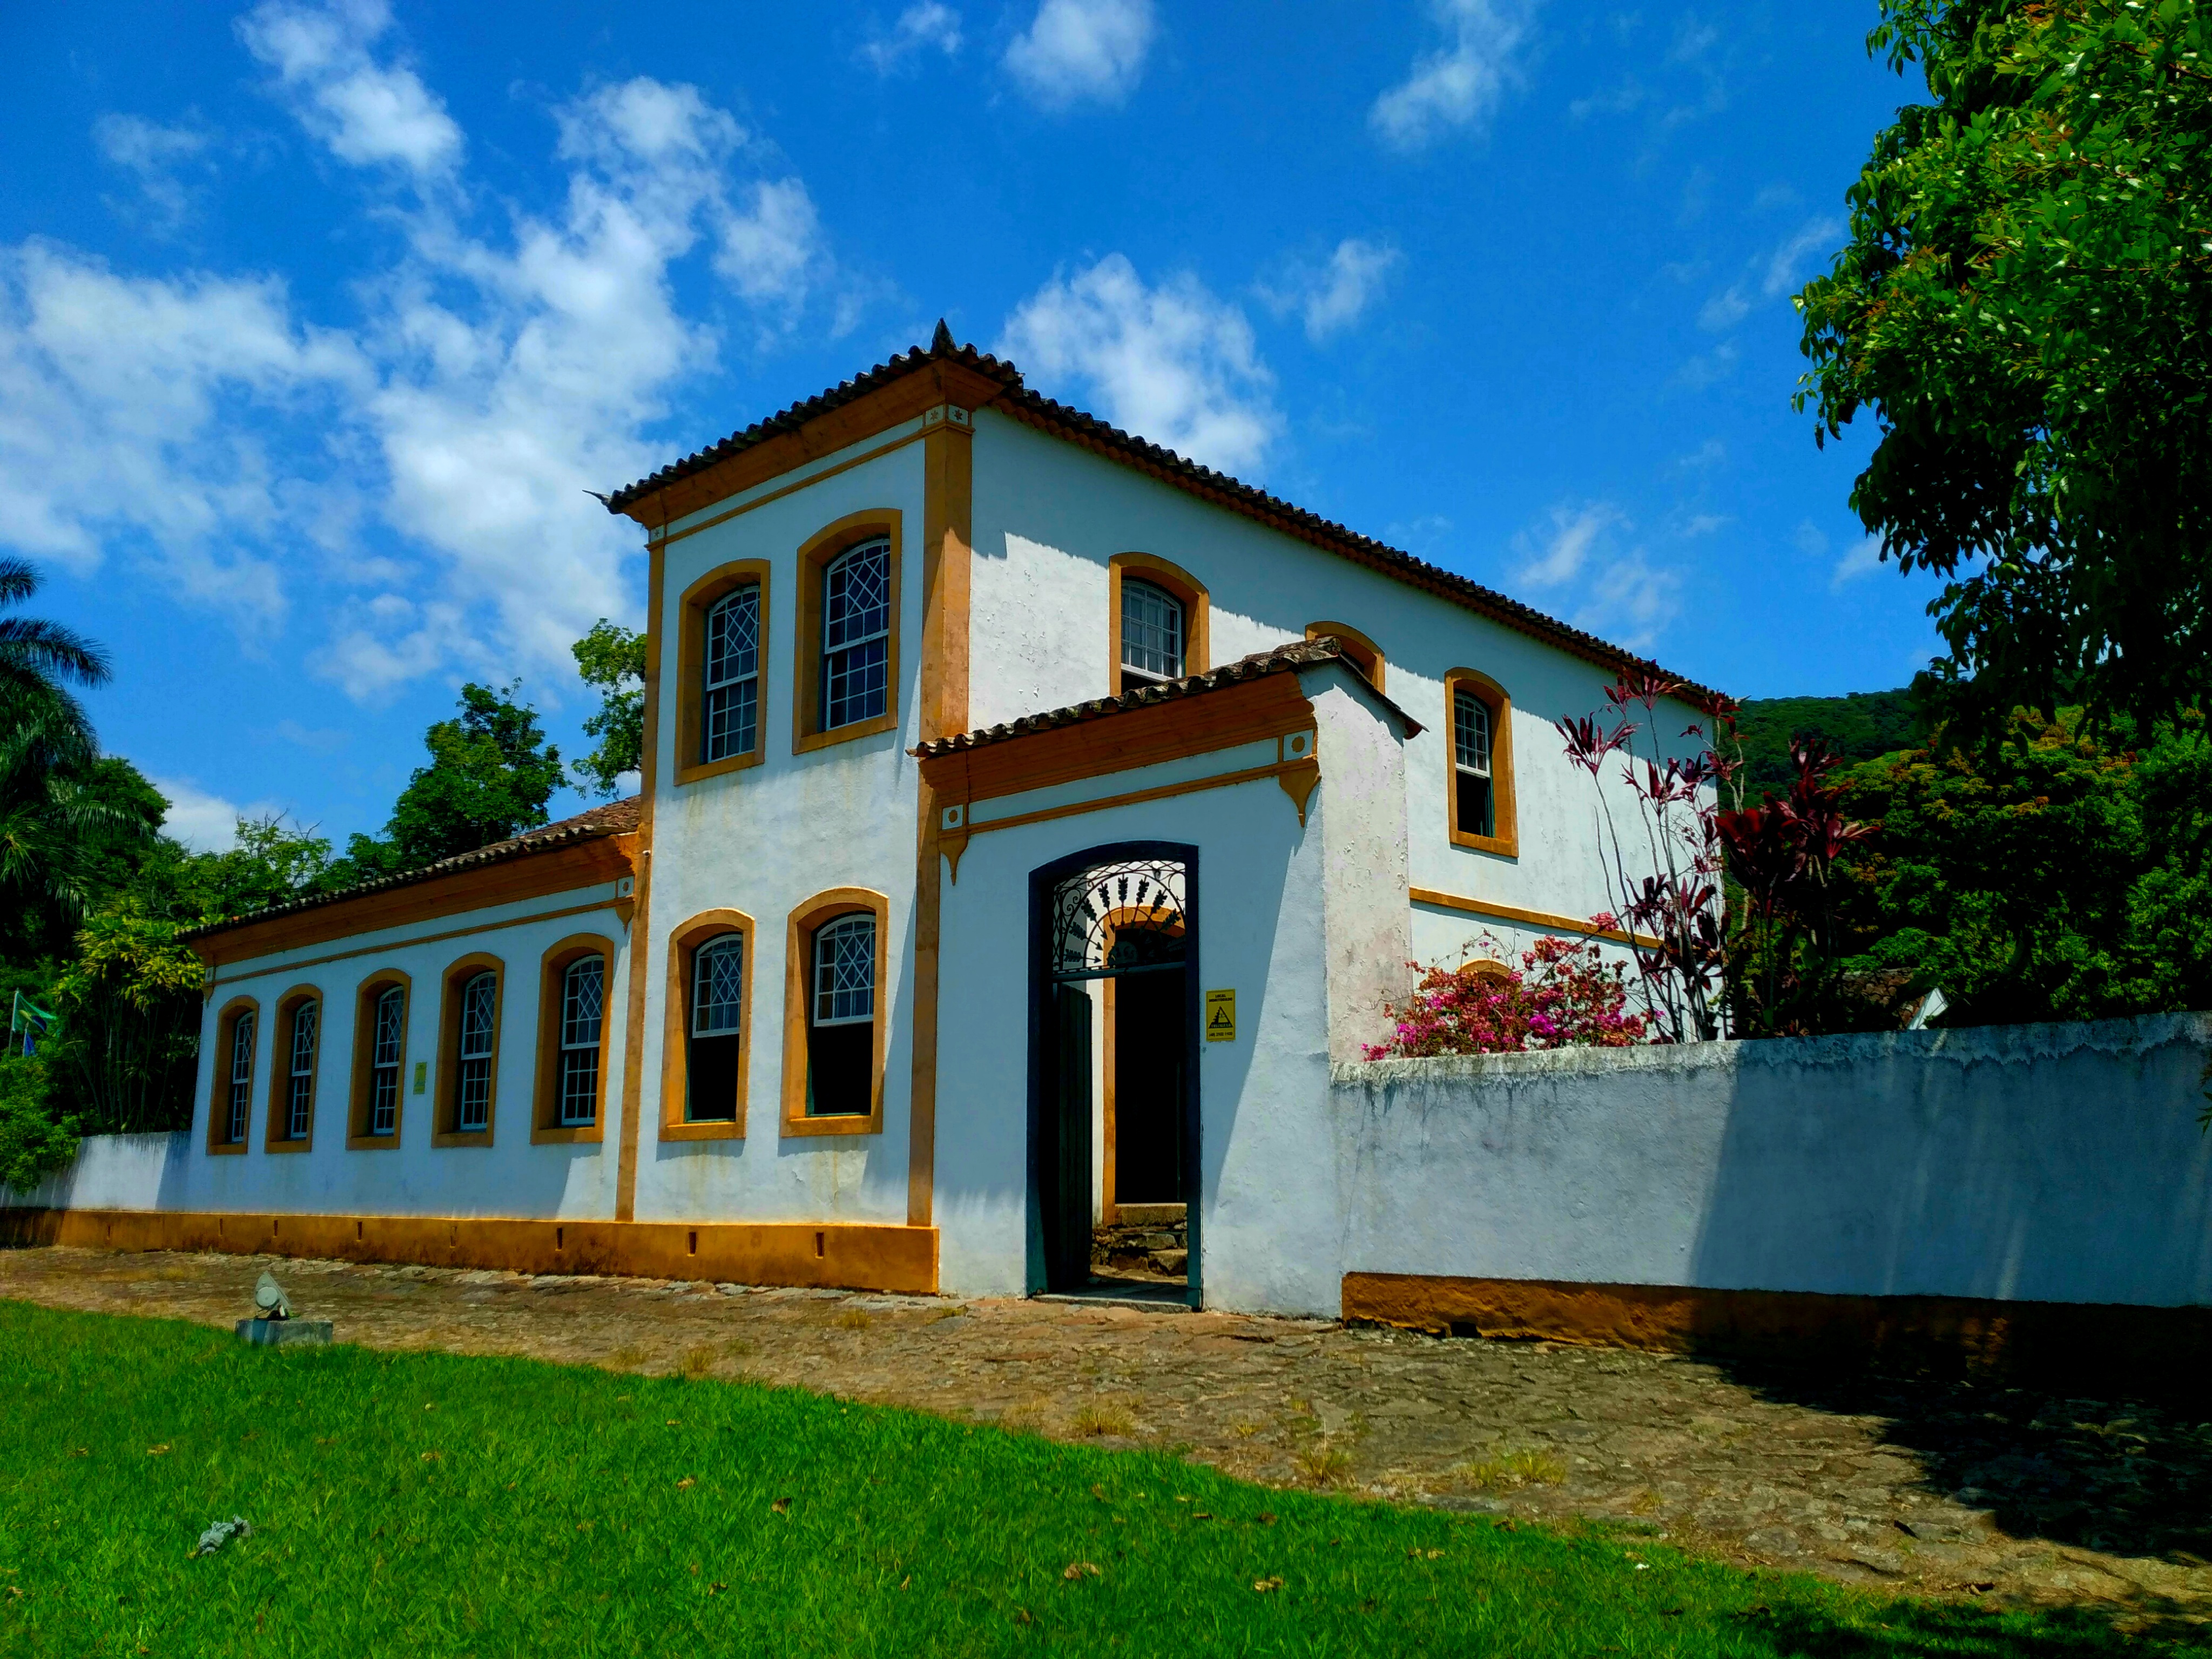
<point>284,1333</point>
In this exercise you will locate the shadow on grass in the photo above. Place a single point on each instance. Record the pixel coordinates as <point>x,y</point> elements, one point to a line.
<point>1906,1630</point>
<point>2120,1476</point>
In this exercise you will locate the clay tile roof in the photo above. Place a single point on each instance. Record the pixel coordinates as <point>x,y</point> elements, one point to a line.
<point>1302,653</point>
<point>1018,402</point>
<point>617,817</point>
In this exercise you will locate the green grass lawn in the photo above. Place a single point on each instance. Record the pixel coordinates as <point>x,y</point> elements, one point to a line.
<point>430,1504</point>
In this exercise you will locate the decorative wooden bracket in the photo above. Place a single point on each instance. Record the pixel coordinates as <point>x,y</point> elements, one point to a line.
<point>1298,781</point>
<point>952,836</point>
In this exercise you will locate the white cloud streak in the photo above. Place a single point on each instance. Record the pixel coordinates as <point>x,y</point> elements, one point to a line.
<point>1863,560</point>
<point>1172,362</point>
<point>369,113</point>
<point>153,155</point>
<point>927,25</point>
<point>204,822</point>
<point>1078,51</point>
<point>420,474</point>
<point>1616,592</point>
<point>1460,85</point>
<point>1331,298</point>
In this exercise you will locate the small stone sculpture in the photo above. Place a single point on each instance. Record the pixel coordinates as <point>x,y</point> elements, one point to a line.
<point>270,1298</point>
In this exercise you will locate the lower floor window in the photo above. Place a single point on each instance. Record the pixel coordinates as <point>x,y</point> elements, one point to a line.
<point>718,999</point>
<point>479,1013</point>
<point>300,1082</point>
<point>840,1034</point>
<point>583,1011</point>
<point>241,1076</point>
<point>384,1062</point>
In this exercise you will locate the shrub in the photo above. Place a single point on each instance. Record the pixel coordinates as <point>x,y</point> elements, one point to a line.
<point>32,1142</point>
<point>1564,994</point>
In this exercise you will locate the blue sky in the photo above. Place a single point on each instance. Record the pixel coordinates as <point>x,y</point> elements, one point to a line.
<point>317,320</point>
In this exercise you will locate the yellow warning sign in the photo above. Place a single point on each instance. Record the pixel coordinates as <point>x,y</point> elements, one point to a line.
<point>1221,1016</point>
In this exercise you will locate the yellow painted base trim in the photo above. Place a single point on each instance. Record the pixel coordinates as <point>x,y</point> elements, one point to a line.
<point>2093,1348</point>
<point>827,1256</point>
<point>1545,919</point>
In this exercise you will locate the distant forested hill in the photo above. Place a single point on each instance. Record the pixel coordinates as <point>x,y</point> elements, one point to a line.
<point>1857,727</point>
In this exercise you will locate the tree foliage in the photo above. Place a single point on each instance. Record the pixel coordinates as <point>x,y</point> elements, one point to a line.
<point>612,657</point>
<point>2025,307</point>
<point>489,776</point>
<point>2052,876</point>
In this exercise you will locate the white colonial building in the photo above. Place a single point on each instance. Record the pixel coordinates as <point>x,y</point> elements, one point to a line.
<point>1029,817</point>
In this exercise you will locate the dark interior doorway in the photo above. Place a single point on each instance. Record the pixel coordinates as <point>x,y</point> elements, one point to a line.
<point>1124,916</point>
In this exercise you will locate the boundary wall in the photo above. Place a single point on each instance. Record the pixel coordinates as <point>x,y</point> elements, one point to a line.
<point>2027,1199</point>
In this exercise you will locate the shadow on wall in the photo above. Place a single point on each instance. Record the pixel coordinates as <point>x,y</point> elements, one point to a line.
<point>2043,1164</point>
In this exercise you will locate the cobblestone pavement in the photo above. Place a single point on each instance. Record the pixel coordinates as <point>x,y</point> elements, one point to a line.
<point>1938,1489</point>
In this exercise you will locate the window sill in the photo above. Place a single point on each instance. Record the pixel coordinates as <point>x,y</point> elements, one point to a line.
<point>568,1134</point>
<point>227,1149</point>
<point>843,1123</point>
<point>868,728</point>
<point>289,1145</point>
<point>1507,846</point>
<point>374,1142</point>
<point>709,1129</point>
<point>705,769</point>
<point>462,1137</point>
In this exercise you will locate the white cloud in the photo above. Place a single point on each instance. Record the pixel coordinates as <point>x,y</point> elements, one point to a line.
<point>1081,51</point>
<point>1861,561</point>
<point>368,113</point>
<point>203,822</point>
<point>118,402</point>
<point>925,25</point>
<point>1616,592</point>
<point>1781,266</point>
<point>421,474</point>
<point>1331,298</point>
<point>1172,362</point>
<point>153,155</point>
<point>1460,84</point>
<point>1725,310</point>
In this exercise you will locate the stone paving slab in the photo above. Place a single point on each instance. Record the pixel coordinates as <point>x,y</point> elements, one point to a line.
<point>1935,1488</point>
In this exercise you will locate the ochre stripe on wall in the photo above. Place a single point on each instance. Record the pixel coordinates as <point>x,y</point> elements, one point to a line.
<point>1550,919</point>
<point>826,1255</point>
<point>640,927</point>
<point>2086,1347</point>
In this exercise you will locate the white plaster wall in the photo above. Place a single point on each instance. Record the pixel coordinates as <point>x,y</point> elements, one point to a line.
<point>1362,823</point>
<point>1265,1180</point>
<point>2041,1163</point>
<point>766,838</point>
<point>111,1172</point>
<point>511,1177</point>
<point>1048,516</point>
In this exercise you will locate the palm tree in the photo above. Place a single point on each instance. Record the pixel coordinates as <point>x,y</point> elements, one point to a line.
<point>47,817</point>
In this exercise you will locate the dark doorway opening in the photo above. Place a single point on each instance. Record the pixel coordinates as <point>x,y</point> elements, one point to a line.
<point>1113,960</point>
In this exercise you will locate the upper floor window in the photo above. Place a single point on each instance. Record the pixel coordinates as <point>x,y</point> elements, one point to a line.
<point>731,711</point>
<point>856,628</point>
<point>387,1045</point>
<point>1474,804</point>
<point>718,1009</point>
<point>1152,635</point>
<point>300,1072</point>
<point>238,1103</point>
<point>583,1015</point>
<point>841,1018</point>
<point>479,1017</point>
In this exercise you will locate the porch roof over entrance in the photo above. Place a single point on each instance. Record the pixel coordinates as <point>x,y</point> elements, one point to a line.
<point>1284,658</point>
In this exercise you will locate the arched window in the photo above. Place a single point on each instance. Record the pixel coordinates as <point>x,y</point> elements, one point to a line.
<point>301,1043</point>
<point>718,1009</point>
<point>731,707</point>
<point>583,1017</point>
<point>840,1036</point>
<point>1152,635</point>
<point>856,626</point>
<point>1474,805</point>
<point>479,1017</point>
<point>238,1098</point>
<point>387,1046</point>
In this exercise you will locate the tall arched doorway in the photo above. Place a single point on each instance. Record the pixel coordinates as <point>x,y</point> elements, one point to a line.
<point>1115,988</point>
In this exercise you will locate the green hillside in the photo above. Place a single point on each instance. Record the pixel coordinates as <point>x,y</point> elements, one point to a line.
<point>1857,727</point>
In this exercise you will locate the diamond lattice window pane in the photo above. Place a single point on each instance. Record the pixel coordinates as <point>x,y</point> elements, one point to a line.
<point>844,972</point>
<point>718,987</point>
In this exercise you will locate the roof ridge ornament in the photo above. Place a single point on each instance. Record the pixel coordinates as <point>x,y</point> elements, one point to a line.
<point>941,343</point>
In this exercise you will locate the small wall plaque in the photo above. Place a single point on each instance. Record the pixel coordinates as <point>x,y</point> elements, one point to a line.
<point>1221,1016</point>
